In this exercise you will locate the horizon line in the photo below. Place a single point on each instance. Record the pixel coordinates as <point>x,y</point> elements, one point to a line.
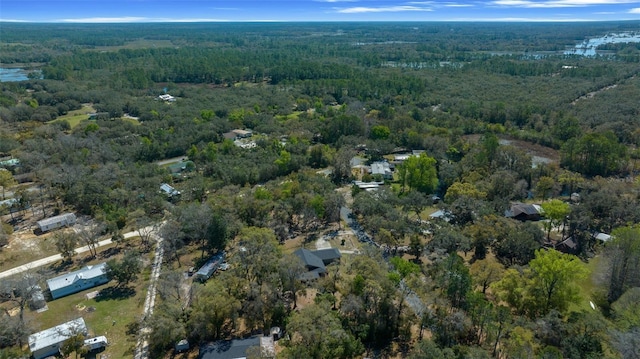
<point>222,21</point>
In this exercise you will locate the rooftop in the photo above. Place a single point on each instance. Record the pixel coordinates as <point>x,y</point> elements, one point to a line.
<point>57,334</point>
<point>228,349</point>
<point>66,280</point>
<point>56,219</point>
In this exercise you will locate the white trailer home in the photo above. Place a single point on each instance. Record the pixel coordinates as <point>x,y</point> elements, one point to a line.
<point>48,224</point>
<point>48,342</point>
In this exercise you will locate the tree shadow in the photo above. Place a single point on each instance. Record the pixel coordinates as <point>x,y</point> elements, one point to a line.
<point>109,252</point>
<point>61,266</point>
<point>117,293</point>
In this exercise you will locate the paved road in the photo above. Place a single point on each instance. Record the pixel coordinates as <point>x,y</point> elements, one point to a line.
<point>54,258</point>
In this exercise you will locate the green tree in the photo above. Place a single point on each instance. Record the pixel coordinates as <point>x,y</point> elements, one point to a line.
<point>125,270</point>
<point>6,180</point>
<point>419,173</point>
<point>316,333</point>
<point>460,189</point>
<point>66,244</point>
<point>213,312</point>
<point>404,267</point>
<point>74,344</point>
<point>596,153</point>
<point>544,186</point>
<point>623,255</point>
<point>549,283</point>
<point>554,276</point>
<point>485,272</point>
<point>379,132</point>
<point>556,212</point>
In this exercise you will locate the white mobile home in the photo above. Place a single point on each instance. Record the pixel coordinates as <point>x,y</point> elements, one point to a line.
<point>48,224</point>
<point>48,342</point>
<point>76,281</point>
<point>206,271</point>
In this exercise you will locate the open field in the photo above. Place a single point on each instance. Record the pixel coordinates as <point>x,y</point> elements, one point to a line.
<point>108,317</point>
<point>76,116</point>
<point>588,287</point>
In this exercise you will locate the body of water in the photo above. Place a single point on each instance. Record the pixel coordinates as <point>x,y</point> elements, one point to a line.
<point>13,74</point>
<point>588,47</point>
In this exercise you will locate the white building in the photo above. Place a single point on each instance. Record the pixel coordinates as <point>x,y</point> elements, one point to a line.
<point>168,190</point>
<point>76,281</point>
<point>167,97</point>
<point>383,169</point>
<point>48,342</point>
<point>48,224</point>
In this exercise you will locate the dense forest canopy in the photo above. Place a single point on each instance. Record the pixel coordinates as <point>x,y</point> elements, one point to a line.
<point>516,151</point>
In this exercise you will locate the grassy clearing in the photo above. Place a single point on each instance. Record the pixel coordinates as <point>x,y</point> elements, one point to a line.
<point>292,116</point>
<point>103,317</point>
<point>131,120</point>
<point>588,287</point>
<point>76,116</point>
<point>108,315</point>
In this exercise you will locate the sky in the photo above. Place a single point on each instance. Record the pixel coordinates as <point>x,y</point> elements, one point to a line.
<point>119,11</point>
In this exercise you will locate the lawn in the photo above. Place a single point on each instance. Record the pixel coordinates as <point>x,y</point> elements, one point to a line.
<point>292,116</point>
<point>76,116</point>
<point>106,315</point>
<point>103,317</point>
<point>588,287</point>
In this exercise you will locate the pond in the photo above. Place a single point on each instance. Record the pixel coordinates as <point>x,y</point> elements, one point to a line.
<point>588,47</point>
<point>13,74</point>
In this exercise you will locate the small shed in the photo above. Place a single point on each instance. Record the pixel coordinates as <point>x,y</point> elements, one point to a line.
<point>76,281</point>
<point>48,342</point>
<point>48,224</point>
<point>36,301</point>
<point>569,245</point>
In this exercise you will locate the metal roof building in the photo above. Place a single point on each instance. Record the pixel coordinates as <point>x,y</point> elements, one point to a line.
<point>48,341</point>
<point>76,281</point>
<point>47,224</point>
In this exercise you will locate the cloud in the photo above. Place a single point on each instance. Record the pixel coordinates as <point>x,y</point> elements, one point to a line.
<point>558,3</point>
<point>457,5</point>
<point>440,4</point>
<point>399,8</point>
<point>634,10</point>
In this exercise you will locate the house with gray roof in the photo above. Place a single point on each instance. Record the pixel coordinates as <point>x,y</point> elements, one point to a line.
<point>49,341</point>
<point>211,266</point>
<point>168,190</point>
<point>316,261</point>
<point>524,212</point>
<point>48,224</point>
<point>76,281</point>
<point>383,169</point>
